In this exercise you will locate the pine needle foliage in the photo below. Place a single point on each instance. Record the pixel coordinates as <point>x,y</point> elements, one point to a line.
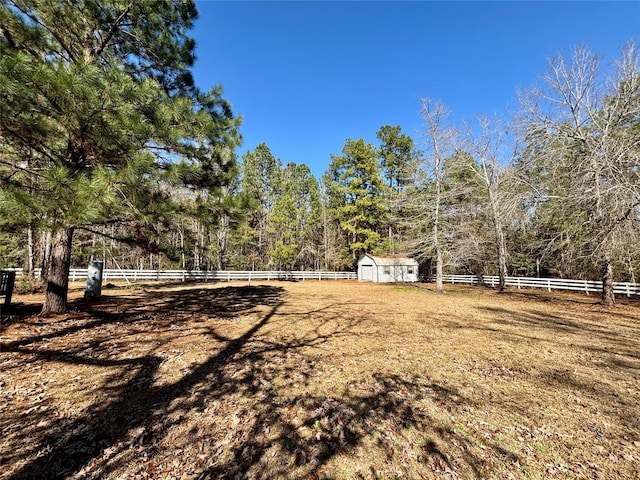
<point>101,120</point>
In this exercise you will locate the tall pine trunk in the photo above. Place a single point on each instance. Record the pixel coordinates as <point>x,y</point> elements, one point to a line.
<point>55,300</point>
<point>608,297</point>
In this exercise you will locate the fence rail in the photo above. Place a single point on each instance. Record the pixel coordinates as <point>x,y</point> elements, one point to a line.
<point>586,286</point>
<point>188,275</point>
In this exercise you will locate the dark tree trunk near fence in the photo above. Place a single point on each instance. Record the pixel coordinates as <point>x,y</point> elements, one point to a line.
<point>55,300</point>
<point>608,297</point>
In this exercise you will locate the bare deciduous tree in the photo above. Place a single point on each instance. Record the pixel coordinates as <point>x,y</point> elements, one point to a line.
<point>427,197</point>
<point>495,171</point>
<point>588,126</point>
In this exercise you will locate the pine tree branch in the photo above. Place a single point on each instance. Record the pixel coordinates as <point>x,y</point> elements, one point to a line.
<point>112,30</point>
<point>35,19</point>
<point>16,167</point>
<point>55,159</point>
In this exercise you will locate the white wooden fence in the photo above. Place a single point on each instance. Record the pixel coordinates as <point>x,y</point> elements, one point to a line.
<point>586,286</point>
<point>76,274</point>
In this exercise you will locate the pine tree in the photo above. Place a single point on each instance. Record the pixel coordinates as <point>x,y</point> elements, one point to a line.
<point>357,195</point>
<point>294,219</point>
<point>399,164</point>
<point>260,182</point>
<point>101,117</point>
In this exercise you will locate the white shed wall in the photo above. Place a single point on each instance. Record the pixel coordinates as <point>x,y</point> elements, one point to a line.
<point>397,273</point>
<point>388,272</point>
<point>367,270</point>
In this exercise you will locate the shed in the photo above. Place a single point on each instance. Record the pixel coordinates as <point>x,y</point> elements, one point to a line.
<point>387,269</point>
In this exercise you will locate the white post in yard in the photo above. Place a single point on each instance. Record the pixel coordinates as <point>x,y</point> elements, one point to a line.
<point>94,280</point>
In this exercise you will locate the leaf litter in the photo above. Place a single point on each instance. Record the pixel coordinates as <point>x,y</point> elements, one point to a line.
<point>321,380</point>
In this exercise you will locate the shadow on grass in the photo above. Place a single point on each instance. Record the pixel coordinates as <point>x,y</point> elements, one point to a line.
<point>611,345</point>
<point>68,447</point>
<point>598,336</point>
<point>625,408</point>
<point>279,435</point>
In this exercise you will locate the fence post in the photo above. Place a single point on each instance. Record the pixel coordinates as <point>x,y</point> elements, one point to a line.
<point>518,279</point>
<point>548,285</point>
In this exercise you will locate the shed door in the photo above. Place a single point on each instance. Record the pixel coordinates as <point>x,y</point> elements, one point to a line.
<point>367,273</point>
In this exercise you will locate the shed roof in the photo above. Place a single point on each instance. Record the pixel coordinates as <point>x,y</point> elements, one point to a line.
<point>393,260</point>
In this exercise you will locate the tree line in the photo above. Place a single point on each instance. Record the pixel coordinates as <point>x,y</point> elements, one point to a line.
<point>108,150</point>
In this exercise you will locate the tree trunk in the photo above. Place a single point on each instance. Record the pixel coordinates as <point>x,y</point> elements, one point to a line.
<point>221,239</point>
<point>632,274</point>
<point>182,255</point>
<point>439,275</point>
<point>608,298</point>
<point>46,256</point>
<point>436,242</point>
<point>479,271</point>
<point>30,254</point>
<point>502,256</point>
<point>55,300</point>
<point>436,224</point>
<point>325,233</point>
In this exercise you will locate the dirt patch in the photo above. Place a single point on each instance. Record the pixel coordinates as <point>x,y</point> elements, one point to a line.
<point>329,379</point>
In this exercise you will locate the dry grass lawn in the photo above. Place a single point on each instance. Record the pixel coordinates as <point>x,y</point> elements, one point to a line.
<point>305,380</point>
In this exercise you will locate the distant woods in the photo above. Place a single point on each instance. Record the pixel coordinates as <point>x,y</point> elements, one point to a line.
<point>103,157</point>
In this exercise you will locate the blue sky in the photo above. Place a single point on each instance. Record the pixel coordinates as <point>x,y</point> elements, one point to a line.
<point>307,75</point>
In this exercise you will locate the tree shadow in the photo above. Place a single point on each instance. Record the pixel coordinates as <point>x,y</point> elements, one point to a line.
<point>626,409</point>
<point>71,446</point>
<point>612,348</point>
<point>380,414</point>
<point>155,308</point>
<point>243,393</point>
<point>621,335</point>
